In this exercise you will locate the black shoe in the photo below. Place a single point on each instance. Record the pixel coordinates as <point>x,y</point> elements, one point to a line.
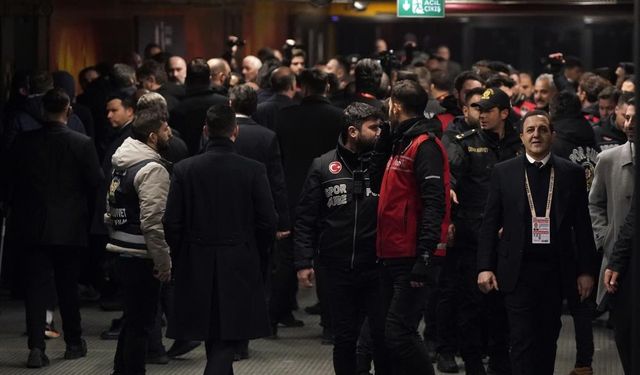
<point>313,309</point>
<point>239,356</point>
<point>290,321</point>
<point>37,358</point>
<point>447,363</point>
<point>76,351</point>
<point>157,360</point>
<point>181,347</point>
<point>114,330</point>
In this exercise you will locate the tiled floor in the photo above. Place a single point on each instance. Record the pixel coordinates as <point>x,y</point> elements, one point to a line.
<point>298,351</point>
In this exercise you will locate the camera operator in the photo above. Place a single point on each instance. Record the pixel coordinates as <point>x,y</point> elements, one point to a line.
<point>337,216</point>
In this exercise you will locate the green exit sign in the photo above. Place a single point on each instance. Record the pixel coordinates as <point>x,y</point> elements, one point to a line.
<point>421,8</point>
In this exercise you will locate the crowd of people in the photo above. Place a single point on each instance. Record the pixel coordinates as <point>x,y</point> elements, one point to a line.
<point>203,193</point>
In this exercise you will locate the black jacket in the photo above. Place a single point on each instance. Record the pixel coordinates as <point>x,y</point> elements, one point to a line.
<point>330,219</point>
<point>189,116</point>
<point>507,208</point>
<point>268,110</point>
<point>575,140</point>
<point>608,135</point>
<point>53,175</point>
<point>472,156</point>
<point>450,105</point>
<point>261,144</point>
<point>428,162</point>
<point>305,131</point>
<point>219,223</point>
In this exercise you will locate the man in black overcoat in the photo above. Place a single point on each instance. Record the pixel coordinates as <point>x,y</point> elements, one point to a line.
<point>305,131</point>
<point>219,222</point>
<point>53,172</point>
<point>536,227</point>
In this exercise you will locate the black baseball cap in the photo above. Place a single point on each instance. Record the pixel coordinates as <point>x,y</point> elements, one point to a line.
<point>493,98</point>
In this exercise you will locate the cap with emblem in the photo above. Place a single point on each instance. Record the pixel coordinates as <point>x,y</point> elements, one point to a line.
<point>493,98</point>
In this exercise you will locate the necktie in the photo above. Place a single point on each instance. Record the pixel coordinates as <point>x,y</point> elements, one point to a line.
<point>538,164</point>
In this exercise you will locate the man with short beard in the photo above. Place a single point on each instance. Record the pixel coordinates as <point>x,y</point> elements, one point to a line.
<point>136,202</point>
<point>338,207</point>
<point>543,91</point>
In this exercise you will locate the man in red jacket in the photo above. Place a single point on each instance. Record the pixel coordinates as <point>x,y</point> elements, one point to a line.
<point>413,214</point>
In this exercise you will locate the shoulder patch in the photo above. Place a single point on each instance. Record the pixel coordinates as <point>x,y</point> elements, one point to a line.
<point>466,134</point>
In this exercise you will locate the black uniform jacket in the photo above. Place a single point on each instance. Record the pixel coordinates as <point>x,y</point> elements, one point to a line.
<point>331,219</point>
<point>219,223</point>
<point>507,209</point>
<point>472,156</point>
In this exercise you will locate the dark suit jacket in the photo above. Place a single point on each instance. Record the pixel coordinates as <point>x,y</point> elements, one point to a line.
<point>266,113</point>
<point>189,116</point>
<point>261,144</point>
<point>53,176</point>
<point>219,223</point>
<point>506,208</point>
<point>305,131</point>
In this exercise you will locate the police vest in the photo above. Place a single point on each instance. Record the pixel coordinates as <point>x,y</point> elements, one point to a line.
<point>124,206</point>
<point>400,206</point>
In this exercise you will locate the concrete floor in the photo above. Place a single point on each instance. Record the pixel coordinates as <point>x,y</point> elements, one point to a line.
<point>298,351</point>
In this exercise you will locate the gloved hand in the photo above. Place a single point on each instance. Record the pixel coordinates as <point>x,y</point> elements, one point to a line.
<point>425,271</point>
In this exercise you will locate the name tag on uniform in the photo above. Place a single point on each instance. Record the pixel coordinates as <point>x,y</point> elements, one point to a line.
<point>540,230</point>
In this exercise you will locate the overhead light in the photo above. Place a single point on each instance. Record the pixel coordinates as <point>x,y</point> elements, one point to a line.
<point>320,3</point>
<point>360,5</point>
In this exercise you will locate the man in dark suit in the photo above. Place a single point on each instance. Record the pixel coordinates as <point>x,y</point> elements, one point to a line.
<point>305,131</point>
<point>53,173</point>
<point>261,144</point>
<point>219,223</point>
<point>283,84</point>
<point>189,116</point>
<point>526,240</point>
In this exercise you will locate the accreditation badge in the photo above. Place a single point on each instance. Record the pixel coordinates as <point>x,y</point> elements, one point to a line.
<point>540,230</point>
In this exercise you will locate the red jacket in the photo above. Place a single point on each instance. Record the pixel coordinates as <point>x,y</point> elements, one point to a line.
<point>400,207</point>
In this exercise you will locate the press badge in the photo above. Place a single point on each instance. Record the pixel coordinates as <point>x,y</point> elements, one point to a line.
<point>540,230</point>
<point>540,226</point>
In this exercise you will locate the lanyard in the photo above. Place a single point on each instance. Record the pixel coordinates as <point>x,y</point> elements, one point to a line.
<point>532,207</point>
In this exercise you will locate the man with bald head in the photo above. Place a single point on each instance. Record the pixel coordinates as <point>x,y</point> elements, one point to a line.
<point>283,84</point>
<point>250,67</point>
<point>220,75</point>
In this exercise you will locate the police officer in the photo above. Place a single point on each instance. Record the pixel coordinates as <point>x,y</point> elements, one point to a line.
<point>472,155</point>
<point>337,215</point>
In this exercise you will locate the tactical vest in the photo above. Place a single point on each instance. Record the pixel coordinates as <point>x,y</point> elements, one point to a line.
<point>400,206</point>
<point>124,206</point>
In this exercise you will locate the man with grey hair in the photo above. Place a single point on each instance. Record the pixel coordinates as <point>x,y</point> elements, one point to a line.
<point>544,90</point>
<point>250,67</point>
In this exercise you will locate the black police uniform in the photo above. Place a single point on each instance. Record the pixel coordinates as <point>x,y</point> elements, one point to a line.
<point>472,156</point>
<point>336,216</point>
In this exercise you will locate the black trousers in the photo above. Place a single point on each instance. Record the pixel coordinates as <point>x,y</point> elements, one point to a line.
<point>219,357</point>
<point>404,304</point>
<point>42,266</point>
<point>141,292</point>
<point>534,309</point>
<point>447,306</point>
<point>621,315</point>
<point>583,313</point>
<point>284,282</point>
<point>352,296</point>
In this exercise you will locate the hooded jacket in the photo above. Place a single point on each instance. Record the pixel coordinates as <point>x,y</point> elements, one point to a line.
<point>151,184</point>
<point>575,140</point>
